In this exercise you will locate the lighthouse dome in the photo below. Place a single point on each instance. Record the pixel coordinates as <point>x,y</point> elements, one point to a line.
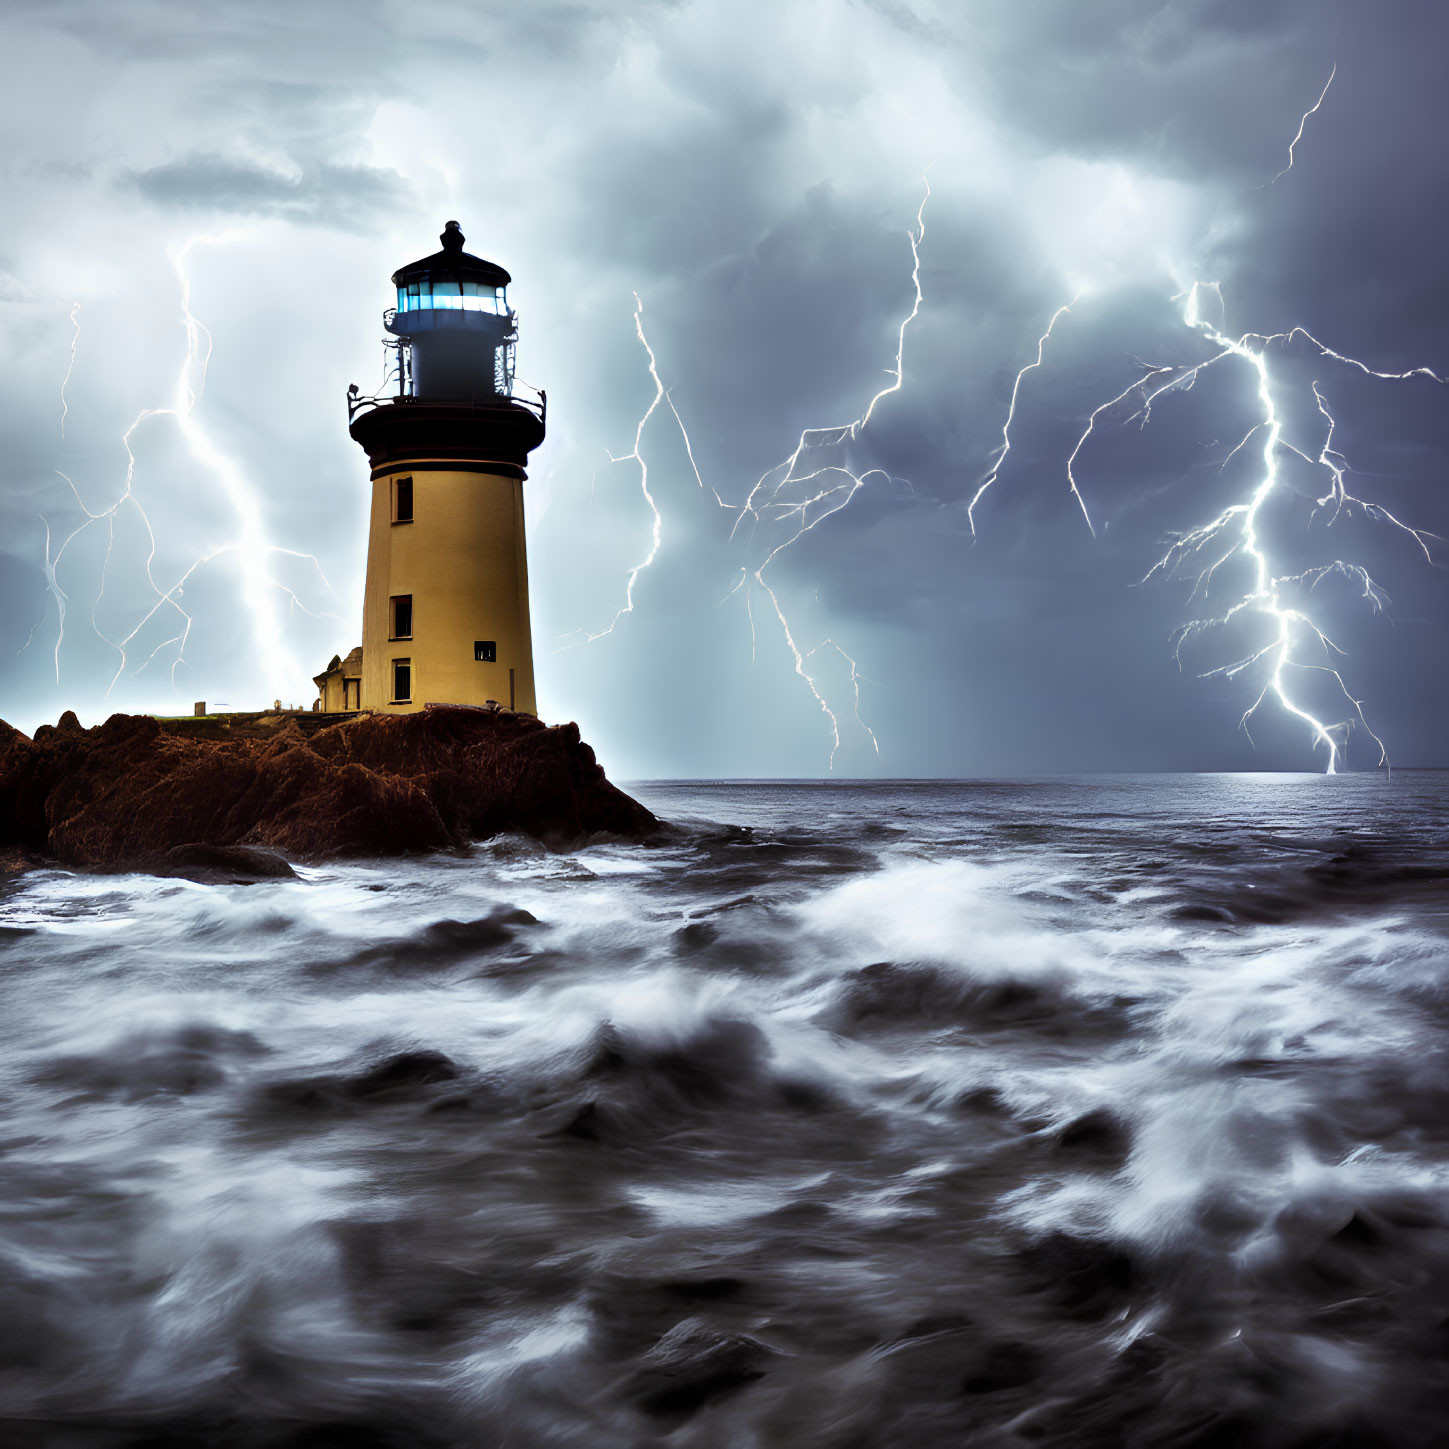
<point>451,280</point>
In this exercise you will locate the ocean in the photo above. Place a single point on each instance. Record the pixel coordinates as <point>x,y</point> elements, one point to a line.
<point>1106,1111</point>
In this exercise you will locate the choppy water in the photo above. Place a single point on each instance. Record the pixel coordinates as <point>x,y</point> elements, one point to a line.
<point>1067,1112</point>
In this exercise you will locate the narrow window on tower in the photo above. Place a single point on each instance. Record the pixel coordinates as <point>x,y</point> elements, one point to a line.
<point>401,606</point>
<point>402,681</point>
<point>402,500</point>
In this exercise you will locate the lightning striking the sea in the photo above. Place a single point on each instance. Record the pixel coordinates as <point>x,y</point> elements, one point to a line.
<point>1291,646</point>
<point>250,548</point>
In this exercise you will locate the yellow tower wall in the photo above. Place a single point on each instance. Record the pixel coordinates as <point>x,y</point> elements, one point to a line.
<point>462,560</point>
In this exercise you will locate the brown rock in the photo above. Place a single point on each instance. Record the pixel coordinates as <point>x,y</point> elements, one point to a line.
<point>132,792</point>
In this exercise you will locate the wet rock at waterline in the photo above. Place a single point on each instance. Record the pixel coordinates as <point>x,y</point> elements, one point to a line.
<point>200,801</point>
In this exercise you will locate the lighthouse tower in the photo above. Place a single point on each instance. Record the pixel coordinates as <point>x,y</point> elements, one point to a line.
<point>445,609</point>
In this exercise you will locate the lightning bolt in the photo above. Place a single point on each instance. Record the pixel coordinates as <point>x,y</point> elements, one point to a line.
<point>1269,595</point>
<point>107,516</point>
<point>252,548</point>
<point>656,531</point>
<point>784,472</point>
<point>830,498</point>
<point>1236,532</point>
<point>797,492</point>
<point>1296,645</point>
<point>1004,446</point>
<point>1302,124</point>
<point>70,366</point>
<point>52,584</point>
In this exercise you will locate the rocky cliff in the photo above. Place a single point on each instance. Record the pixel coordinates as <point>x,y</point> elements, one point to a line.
<point>140,793</point>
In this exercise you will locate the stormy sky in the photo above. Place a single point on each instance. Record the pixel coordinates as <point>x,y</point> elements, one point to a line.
<point>752,171</point>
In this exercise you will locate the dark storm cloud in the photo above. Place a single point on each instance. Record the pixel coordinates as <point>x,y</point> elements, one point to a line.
<point>345,197</point>
<point>1191,90</point>
<point>751,172</point>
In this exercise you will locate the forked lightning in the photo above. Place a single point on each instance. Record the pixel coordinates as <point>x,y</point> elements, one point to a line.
<point>250,547</point>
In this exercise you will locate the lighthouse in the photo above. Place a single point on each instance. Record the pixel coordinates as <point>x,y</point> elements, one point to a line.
<point>445,606</point>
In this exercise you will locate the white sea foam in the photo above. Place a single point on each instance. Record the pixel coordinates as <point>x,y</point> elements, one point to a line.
<point>764,1135</point>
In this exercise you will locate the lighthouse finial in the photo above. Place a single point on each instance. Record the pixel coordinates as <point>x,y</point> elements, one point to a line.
<point>452,237</point>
